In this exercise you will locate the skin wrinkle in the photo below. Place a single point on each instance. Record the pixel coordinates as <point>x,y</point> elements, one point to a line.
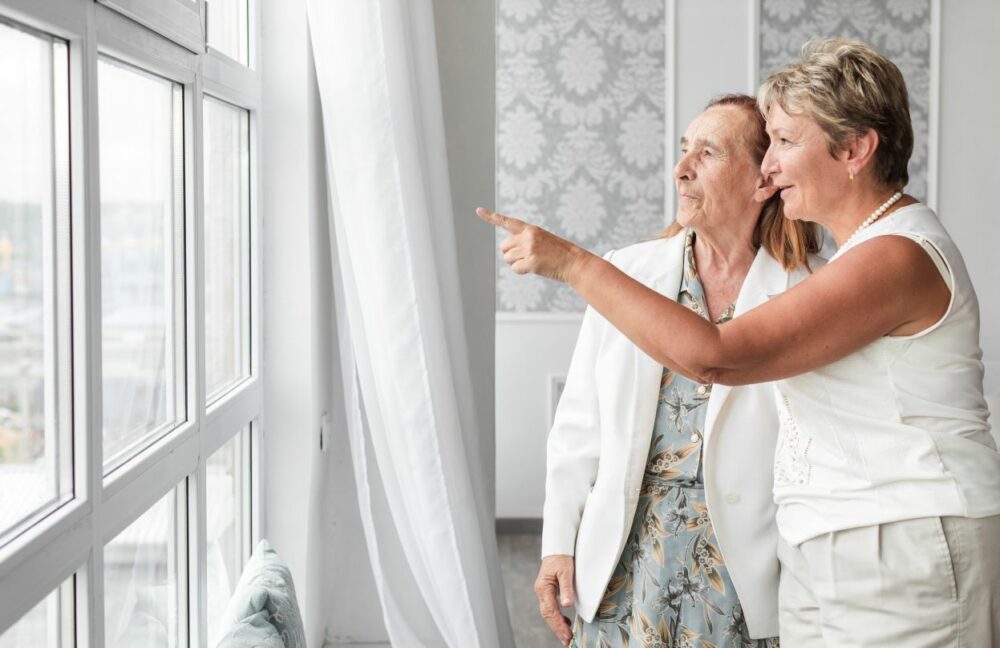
<point>715,160</point>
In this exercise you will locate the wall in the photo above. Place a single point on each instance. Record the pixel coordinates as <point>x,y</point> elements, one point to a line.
<point>467,67</point>
<point>968,171</point>
<point>713,48</point>
<point>531,348</point>
<point>297,305</point>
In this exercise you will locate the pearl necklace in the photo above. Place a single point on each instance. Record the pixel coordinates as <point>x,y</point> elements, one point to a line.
<point>874,217</point>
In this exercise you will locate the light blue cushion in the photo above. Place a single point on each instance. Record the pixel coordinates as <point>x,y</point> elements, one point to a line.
<point>266,585</point>
<point>255,631</point>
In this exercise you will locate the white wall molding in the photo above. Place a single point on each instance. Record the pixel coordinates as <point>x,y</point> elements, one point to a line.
<point>753,55</point>
<point>539,318</point>
<point>934,104</point>
<point>670,134</point>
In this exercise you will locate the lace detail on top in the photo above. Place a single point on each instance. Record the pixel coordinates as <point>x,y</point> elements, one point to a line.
<point>791,457</point>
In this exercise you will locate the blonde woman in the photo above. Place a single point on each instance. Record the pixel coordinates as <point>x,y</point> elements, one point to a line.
<point>886,477</point>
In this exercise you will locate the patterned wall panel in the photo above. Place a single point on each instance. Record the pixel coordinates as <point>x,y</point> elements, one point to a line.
<point>580,129</point>
<point>899,29</point>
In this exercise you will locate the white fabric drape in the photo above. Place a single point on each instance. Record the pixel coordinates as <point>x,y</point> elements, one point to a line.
<point>406,375</point>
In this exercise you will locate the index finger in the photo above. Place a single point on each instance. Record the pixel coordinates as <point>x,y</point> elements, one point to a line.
<point>512,225</point>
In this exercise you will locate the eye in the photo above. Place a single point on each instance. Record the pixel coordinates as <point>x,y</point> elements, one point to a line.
<point>785,142</point>
<point>684,151</point>
<point>707,153</point>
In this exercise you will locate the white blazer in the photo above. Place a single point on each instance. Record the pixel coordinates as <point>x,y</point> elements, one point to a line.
<point>599,443</point>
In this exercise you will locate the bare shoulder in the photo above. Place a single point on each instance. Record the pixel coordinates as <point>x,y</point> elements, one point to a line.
<point>894,269</point>
<point>885,286</point>
<point>892,257</point>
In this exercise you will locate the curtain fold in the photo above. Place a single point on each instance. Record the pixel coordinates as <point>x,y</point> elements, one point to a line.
<point>406,374</point>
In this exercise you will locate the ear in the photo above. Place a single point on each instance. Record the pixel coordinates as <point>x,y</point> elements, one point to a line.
<point>764,189</point>
<point>859,151</point>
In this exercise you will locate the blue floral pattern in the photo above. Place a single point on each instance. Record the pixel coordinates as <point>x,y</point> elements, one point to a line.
<point>671,588</point>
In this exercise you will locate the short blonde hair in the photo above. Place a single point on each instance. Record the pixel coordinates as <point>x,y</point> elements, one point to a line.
<point>846,87</point>
<point>789,242</point>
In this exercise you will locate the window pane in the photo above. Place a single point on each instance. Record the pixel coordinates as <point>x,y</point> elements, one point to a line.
<point>35,450</point>
<point>227,217</point>
<point>228,28</point>
<point>141,567</point>
<point>227,512</point>
<point>142,203</point>
<point>48,625</point>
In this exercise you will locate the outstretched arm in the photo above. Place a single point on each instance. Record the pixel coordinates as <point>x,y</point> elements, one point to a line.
<point>884,286</point>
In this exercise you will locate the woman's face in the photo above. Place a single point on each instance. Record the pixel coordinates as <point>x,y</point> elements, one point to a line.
<point>716,177</point>
<point>799,164</point>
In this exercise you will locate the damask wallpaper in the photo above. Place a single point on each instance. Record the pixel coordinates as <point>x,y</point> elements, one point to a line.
<point>580,128</point>
<point>581,118</point>
<point>899,29</point>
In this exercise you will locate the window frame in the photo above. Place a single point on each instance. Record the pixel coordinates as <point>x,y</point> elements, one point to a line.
<point>57,354</point>
<point>69,540</point>
<point>122,54</point>
<point>181,21</point>
<point>219,93</point>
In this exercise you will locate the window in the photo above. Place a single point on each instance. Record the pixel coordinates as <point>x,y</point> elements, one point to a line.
<point>47,625</point>
<point>129,375</point>
<point>144,569</point>
<point>227,483</point>
<point>142,218</point>
<point>35,441</point>
<point>227,221</point>
<point>228,29</point>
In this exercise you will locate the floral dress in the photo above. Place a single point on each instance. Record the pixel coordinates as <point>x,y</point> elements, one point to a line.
<point>670,587</point>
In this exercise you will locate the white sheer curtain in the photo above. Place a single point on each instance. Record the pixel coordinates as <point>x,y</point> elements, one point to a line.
<point>406,376</point>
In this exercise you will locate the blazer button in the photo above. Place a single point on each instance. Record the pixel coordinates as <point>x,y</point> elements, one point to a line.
<point>732,498</point>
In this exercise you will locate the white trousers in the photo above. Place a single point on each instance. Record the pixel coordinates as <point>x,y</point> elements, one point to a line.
<point>923,583</point>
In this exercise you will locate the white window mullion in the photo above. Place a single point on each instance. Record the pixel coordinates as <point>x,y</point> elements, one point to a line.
<point>50,281</point>
<point>198,580</point>
<point>256,478</point>
<point>198,567</point>
<point>245,511</point>
<point>175,272</point>
<point>63,288</point>
<point>88,397</point>
<point>177,558</point>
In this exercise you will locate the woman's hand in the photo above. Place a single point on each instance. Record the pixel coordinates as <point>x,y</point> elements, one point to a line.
<point>555,576</point>
<point>531,249</point>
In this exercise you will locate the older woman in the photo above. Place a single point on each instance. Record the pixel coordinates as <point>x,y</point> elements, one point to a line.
<point>886,477</point>
<point>658,493</point>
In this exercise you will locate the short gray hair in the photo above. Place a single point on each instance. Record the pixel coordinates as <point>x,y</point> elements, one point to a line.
<point>847,87</point>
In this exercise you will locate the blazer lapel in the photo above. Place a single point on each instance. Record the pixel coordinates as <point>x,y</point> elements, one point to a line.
<point>765,279</point>
<point>662,273</point>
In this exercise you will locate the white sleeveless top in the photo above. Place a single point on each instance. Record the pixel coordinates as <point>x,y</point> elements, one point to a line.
<point>898,429</point>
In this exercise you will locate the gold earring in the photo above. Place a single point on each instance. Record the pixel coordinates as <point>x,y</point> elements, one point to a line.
<point>850,174</point>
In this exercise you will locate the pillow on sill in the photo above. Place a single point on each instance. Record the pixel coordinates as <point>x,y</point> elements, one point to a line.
<point>266,585</point>
<point>255,631</point>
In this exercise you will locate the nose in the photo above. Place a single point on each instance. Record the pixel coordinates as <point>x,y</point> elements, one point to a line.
<point>683,169</point>
<point>769,165</point>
